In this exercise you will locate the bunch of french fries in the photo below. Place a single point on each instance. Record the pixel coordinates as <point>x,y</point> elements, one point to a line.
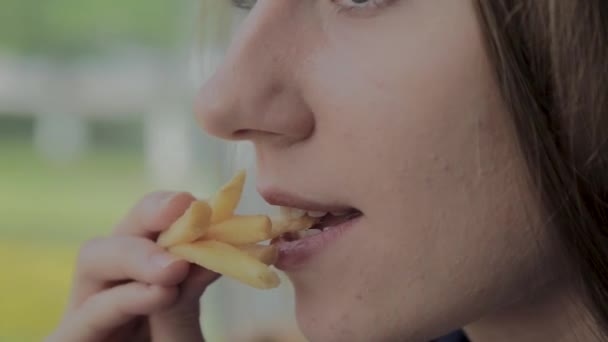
<point>209,234</point>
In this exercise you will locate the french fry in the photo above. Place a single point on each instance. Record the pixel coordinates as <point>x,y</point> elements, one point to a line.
<point>227,198</point>
<point>240,230</point>
<point>266,254</point>
<point>228,260</point>
<point>281,225</point>
<point>210,235</point>
<point>189,227</point>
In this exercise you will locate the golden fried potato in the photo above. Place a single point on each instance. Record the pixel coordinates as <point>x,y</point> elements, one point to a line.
<point>266,254</point>
<point>228,260</point>
<point>240,230</point>
<point>286,225</point>
<point>189,227</point>
<point>210,235</point>
<point>227,198</point>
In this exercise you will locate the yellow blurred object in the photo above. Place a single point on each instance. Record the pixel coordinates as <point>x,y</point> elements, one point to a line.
<point>241,230</point>
<point>28,311</point>
<point>191,226</point>
<point>228,260</point>
<point>266,254</point>
<point>227,199</point>
<point>283,225</point>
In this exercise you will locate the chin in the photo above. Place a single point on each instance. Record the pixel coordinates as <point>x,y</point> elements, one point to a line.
<point>322,320</point>
<point>318,319</point>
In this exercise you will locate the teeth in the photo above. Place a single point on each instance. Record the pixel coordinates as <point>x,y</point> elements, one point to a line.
<point>297,213</point>
<point>292,212</point>
<point>317,214</point>
<point>308,233</point>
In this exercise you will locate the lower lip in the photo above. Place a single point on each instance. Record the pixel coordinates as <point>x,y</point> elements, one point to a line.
<point>295,254</point>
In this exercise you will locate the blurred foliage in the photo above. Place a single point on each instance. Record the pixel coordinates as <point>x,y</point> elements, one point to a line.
<point>218,21</point>
<point>123,133</point>
<point>71,201</point>
<point>15,126</point>
<point>69,28</point>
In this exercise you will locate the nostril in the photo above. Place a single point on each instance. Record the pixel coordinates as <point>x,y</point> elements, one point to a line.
<point>241,134</point>
<point>252,134</point>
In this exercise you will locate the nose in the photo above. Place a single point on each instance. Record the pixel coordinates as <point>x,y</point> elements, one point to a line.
<point>254,95</point>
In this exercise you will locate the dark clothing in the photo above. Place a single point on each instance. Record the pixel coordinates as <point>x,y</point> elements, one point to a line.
<point>457,336</point>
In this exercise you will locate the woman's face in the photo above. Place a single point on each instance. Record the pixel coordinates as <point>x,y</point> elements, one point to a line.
<point>389,107</point>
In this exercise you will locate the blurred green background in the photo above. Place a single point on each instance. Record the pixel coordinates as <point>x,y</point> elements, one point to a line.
<point>44,217</point>
<point>94,112</point>
<point>73,29</point>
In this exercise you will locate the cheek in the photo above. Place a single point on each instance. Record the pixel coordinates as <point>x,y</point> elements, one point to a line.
<point>424,148</point>
<point>417,138</point>
<point>397,100</point>
<point>398,121</point>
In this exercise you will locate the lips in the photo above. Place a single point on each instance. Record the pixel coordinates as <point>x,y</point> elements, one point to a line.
<point>298,250</point>
<point>326,223</point>
<point>292,201</point>
<point>321,216</point>
<point>332,219</point>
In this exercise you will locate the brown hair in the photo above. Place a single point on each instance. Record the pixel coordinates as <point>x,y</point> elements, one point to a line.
<point>551,63</point>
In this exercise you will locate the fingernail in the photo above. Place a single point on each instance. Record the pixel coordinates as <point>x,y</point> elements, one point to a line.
<point>168,198</point>
<point>163,260</point>
<point>154,204</point>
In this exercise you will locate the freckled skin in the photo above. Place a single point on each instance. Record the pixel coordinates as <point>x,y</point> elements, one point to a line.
<point>395,113</point>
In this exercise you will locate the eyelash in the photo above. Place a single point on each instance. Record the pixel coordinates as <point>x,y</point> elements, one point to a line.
<point>244,4</point>
<point>369,5</point>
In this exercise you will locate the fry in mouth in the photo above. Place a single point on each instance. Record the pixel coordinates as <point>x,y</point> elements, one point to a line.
<point>210,235</point>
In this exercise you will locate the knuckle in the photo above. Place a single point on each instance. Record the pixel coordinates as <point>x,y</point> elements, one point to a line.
<point>116,301</point>
<point>139,255</point>
<point>98,303</point>
<point>88,250</point>
<point>136,254</point>
<point>96,310</point>
<point>153,197</point>
<point>152,213</point>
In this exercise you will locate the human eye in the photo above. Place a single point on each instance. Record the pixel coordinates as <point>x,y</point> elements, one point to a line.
<point>244,4</point>
<point>343,4</point>
<point>360,5</point>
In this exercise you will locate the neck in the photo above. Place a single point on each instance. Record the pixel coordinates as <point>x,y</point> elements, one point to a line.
<point>555,315</point>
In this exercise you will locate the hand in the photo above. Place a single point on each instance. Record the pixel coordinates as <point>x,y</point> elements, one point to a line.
<point>127,288</point>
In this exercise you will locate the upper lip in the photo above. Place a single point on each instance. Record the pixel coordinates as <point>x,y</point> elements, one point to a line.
<point>285,199</point>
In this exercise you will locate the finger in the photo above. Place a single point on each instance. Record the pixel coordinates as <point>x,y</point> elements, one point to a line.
<point>154,213</point>
<point>181,322</point>
<point>108,260</point>
<point>196,283</point>
<point>104,312</point>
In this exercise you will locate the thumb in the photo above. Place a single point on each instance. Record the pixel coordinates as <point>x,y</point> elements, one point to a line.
<point>181,322</point>
<point>195,285</point>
